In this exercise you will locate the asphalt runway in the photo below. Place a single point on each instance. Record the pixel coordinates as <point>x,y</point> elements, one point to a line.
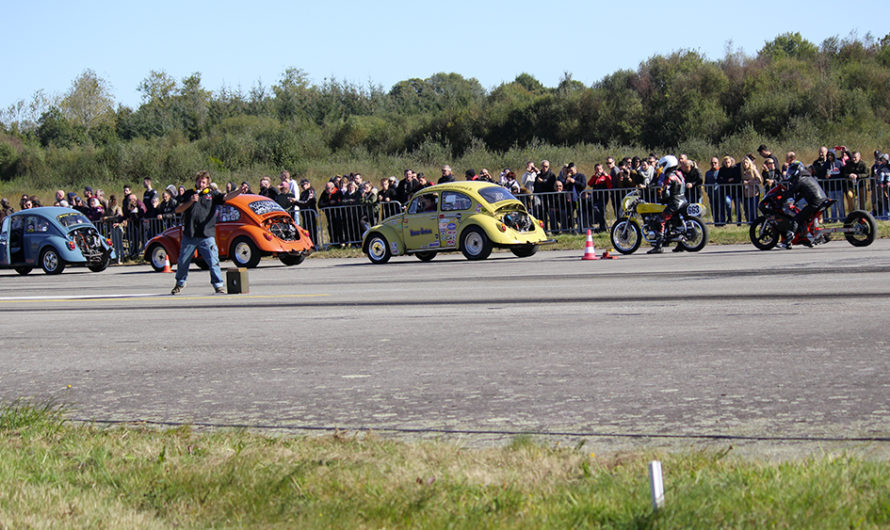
<point>770,352</point>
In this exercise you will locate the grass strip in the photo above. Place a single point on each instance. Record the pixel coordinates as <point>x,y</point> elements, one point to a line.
<point>56,474</point>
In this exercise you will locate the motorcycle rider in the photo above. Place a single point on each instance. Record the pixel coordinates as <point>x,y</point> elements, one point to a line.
<point>672,186</point>
<point>801,185</point>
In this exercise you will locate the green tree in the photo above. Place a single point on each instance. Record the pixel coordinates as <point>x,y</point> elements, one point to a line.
<point>88,103</point>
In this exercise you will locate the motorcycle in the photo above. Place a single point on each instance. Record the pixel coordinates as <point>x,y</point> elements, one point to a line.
<point>641,220</point>
<point>860,228</point>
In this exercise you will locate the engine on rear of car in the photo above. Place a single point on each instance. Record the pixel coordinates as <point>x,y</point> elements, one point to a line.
<point>519,221</point>
<point>283,228</point>
<point>89,242</point>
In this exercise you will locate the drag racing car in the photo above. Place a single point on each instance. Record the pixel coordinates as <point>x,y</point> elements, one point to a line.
<point>248,227</point>
<point>472,217</point>
<point>52,238</point>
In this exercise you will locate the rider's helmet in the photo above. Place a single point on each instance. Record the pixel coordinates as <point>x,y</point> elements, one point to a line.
<point>666,164</point>
<point>794,171</point>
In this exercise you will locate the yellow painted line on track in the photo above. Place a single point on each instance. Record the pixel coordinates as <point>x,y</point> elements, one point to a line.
<point>161,296</point>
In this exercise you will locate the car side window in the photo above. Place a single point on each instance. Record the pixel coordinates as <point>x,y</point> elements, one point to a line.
<point>227,214</point>
<point>452,201</point>
<point>30,224</point>
<point>428,202</point>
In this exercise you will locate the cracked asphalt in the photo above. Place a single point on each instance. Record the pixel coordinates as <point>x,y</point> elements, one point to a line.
<point>776,353</point>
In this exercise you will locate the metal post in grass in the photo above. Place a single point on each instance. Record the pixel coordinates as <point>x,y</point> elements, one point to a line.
<point>656,484</point>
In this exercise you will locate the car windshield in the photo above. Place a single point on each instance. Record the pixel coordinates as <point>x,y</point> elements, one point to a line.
<point>266,206</point>
<point>493,194</point>
<point>73,218</point>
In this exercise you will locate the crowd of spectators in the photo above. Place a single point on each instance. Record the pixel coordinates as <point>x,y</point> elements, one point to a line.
<point>566,199</point>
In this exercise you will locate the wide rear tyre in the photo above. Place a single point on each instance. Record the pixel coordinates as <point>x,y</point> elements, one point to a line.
<point>524,251</point>
<point>764,234</point>
<point>291,259</point>
<point>378,249</point>
<point>244,253</point>
<point>102,264</point>
<point>23,270</point>
<point>868,228</point>
<point>51,262</point>
<point>626,236</point>
<point>474,244</point>
<point>699,236</point>
<point>425,256</point>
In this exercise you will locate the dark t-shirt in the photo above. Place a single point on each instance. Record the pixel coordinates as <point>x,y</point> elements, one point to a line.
<point>200,219</point>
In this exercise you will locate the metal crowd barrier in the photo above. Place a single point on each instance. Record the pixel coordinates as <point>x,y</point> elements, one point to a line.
<point>345,225</point>
<point>562,212</point>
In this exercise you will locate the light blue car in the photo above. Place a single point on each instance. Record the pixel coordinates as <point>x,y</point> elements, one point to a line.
<point>52,238</point>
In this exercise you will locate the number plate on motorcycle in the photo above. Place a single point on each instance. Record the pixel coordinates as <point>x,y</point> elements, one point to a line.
<point>695,210</point>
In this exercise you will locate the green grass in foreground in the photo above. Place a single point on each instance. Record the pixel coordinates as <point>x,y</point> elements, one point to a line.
<point>53,474</point>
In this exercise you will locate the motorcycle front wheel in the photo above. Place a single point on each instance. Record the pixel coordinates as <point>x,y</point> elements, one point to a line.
<point>866,225</point>
<point>626,236</point>
<point>699,235</point>
<point>764,233</point>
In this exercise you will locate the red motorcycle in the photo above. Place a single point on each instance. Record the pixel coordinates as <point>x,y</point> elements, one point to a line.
<point>859,229</point>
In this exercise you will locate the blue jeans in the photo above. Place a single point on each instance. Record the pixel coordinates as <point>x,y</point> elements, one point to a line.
<point>206,247</point>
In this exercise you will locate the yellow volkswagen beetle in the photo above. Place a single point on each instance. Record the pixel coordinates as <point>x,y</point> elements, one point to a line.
<point>472,217</point>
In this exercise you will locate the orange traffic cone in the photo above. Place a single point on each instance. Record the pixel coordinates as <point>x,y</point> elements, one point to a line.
<point>589,250</point>
<point>167,264</point>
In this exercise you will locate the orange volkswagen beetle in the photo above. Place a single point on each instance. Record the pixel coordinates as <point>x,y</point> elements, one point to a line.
<point>248,227</point>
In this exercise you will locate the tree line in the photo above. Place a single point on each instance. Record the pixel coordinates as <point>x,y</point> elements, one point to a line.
<point>790,89</point>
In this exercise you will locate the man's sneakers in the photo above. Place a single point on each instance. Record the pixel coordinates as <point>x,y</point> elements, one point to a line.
<point>785,245</point>
<point>178,289</point>
<point>655,250</point>
<point>679,248</point>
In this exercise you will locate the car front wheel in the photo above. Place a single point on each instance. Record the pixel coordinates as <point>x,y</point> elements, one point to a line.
<point>378,249</point>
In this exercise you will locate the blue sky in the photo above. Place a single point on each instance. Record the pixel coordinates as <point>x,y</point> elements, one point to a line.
<point>236,44</point>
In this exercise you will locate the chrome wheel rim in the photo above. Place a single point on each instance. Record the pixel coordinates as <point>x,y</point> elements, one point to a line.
<point>377,248</point>
<point>50,261</point>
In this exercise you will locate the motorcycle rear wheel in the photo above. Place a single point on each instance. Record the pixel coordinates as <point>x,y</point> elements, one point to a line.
<point>701,233</point>
<point>626,236</point>
<point>864,221</point>
<point>765,235</point>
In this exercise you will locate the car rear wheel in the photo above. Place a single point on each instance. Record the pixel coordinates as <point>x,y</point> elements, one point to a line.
<point>291,259</point>
<point>51,262</point>
<point>244,253</point>
<point>157,257</point>
<point>475,244</point>
<point>524,251</point>
<point>102,264</point>
<point>425,256</point>
<point>378,249</point>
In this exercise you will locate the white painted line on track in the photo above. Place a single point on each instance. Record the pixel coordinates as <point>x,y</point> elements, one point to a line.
<point>80,297</point>
<point>155,296</point>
